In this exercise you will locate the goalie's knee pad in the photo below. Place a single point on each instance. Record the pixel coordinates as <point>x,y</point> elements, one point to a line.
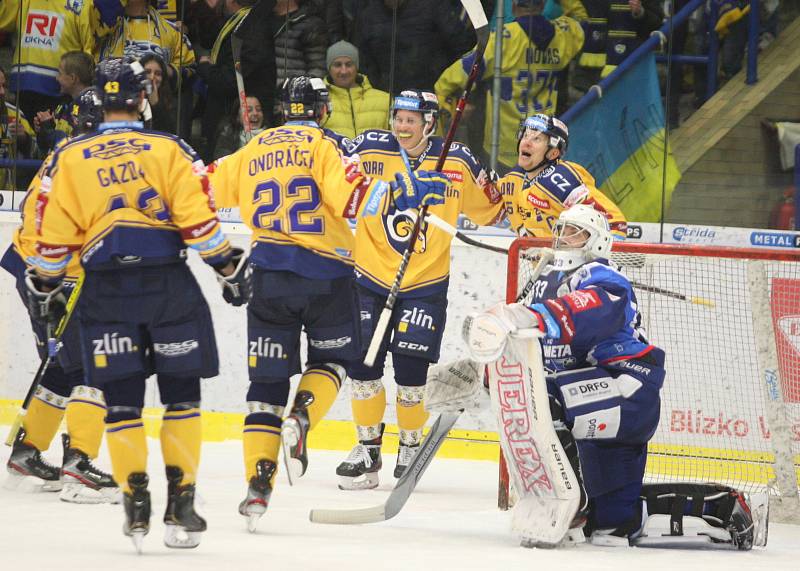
<point>703,515</point>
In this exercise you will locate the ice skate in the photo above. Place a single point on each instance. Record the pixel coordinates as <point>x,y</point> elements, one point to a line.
<point>360,469</point>
<point>27,470</point>
<point>83,482</point>
<point>184,525</point>
<point>137,509</point>
<point>294,433</point>
<point>405,454</point>
<point>258,493</point>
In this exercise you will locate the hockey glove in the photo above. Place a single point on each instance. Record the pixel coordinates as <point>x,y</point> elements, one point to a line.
<point>486,333</point>
<point>236,288</point>
<point>45,307</point>
<point>418,188</point>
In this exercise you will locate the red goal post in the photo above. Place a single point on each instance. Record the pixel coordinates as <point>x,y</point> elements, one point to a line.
<point>729,322</point>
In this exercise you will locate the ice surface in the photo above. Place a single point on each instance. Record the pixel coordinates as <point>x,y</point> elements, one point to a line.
<point>450,522</point>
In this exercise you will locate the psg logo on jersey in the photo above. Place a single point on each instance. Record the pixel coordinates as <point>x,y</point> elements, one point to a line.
<point>398,228</point>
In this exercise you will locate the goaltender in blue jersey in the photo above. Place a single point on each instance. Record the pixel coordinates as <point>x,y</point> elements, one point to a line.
<point>294,189</point>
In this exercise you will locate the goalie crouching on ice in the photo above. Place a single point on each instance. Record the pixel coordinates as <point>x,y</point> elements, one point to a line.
<point>576,440</point>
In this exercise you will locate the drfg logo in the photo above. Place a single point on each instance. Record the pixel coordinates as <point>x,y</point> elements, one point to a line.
<point>265,347</point>
<point>111,344</point>
<point>417,317</point>
<point>43,30</point>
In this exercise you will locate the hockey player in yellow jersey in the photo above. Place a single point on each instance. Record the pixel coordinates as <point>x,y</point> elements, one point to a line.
<point>542,185</point>
<point>62,391</point>
<point>294,189</point>
<point>419,316</point>
<point>534,51</point>
<point>128,202</point>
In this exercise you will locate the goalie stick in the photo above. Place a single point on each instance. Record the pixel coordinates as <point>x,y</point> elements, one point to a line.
<point>53,344</point>
<point>405,485</point>
<point>476,15</point>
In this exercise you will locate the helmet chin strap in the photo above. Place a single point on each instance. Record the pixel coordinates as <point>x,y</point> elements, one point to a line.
<point>543,163</point>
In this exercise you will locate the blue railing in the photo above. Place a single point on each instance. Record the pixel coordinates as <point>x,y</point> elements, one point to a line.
<point>655,40</point>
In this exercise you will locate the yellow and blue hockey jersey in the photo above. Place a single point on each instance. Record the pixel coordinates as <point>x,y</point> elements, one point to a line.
<point>534,51</point>
<point>125,192</point>
<point>295,192</point>
<point>533,206</point>
<point>381,241</point>
<point>137,36</point>
<point>51,28</point>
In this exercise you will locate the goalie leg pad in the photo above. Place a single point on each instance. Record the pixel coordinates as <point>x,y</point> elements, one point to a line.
<point>705,515</point>
<point>538,466</point>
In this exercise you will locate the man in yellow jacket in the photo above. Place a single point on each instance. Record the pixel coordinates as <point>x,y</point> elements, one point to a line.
<point>534,51</point>
<point>357,106</point>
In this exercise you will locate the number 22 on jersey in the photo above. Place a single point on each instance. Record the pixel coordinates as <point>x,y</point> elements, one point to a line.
<point>288,208</point>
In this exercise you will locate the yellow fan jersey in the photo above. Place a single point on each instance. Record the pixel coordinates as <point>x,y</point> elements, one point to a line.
<point>533,206</point>
<point>534,51</point>
<point>294,191</point>
<point>381,241</point>
<point>50,28</point>
<point>125,192</point>
<point>136,36</point>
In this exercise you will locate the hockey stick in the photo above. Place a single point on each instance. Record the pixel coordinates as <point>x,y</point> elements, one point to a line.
<point>236,46</point>
<point>405,485</point>
<point>481,25</point>
<point>53,344</point>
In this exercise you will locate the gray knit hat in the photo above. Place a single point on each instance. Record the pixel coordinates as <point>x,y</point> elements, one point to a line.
<point>341,49</point>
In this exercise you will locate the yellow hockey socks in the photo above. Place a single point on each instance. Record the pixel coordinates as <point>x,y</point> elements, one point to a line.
<point>128,447</point>
<point>86,411</point>
<point>317,391</point>
<point>411,414</point>
<point>44,415</point>
<point>181,437</point>
<point>261,438</point>
<point>368,404</point>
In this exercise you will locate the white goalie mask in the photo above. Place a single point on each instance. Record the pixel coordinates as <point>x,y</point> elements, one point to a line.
<point>581,234</point>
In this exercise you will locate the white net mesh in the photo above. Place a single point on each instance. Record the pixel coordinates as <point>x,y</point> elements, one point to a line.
<point>730,408</point>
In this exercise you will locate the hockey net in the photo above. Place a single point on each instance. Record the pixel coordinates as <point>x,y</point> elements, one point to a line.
<point>729,322</point>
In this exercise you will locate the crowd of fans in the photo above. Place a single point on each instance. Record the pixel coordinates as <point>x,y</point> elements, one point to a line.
<point>364,49</point>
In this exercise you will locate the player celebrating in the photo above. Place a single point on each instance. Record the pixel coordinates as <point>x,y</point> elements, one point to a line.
<point>419,317</point>
<point>542,184</point>
<point>604,380</point>
<point>62,391</point>
<point>129,201</point>
<point>294,191</point>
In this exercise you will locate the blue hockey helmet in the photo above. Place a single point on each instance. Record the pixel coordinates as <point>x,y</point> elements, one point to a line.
<point>119,82</point>
<point>305,98</point>
<point>424,102</point>
<point>87,112</point>
<point>554,128</point>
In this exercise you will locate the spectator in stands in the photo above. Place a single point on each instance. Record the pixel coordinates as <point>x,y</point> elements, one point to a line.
<point>15,137</point>
<point>254,22</point>
<point>144,30</point>
<point>233,135</point>
<point>75,73</point>
<point>535,50</point>
<point>50,30</point>
<point>161,97</point>
<point>300,40</point>
<point>357,105</point>
<point>429,36</point>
